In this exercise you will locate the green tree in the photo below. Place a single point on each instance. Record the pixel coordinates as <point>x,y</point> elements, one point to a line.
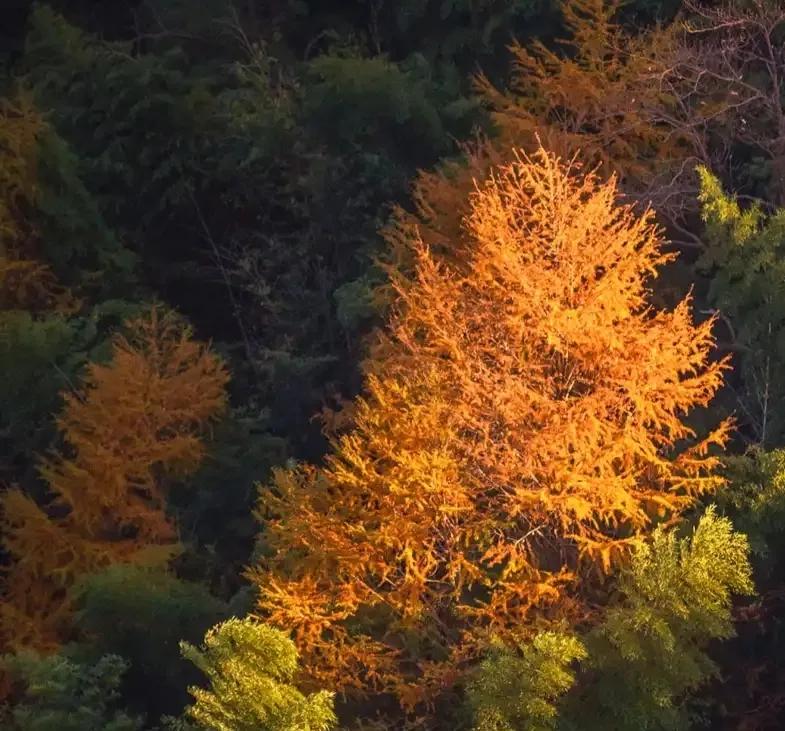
<point>251,185</point>
<point>250,667</point>
<point>640,666</point>
<point>752,674</point>
<point>744,259</point>
<point>60,694</point>
<point>141,614</point>
<point>649,654</point>
<point>519,688</point>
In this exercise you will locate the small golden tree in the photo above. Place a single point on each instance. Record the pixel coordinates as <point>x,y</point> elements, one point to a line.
<point>25,281</point>
<point>135,422</point>
<point>523,423</point>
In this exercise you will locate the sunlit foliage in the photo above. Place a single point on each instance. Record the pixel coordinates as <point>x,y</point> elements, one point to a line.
<point>523,422</point>
<point>744,260</point>
<point>640,666</point>
<point>597,95</point>
<point>650,652</point>
<point>250,667</point>
<point>517,688</point>
<point>602,94</point>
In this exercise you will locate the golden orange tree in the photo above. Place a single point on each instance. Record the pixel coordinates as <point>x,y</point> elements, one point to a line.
<point>135,423</point>
<point>603,91</point>
<point>523,422</point>
<point>25,281</point>
<point>616,99</point>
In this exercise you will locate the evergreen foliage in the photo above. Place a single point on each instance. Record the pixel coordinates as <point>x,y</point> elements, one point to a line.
<point>641,665</point>
<point>745,263</point>
<point>260,181</point>
<point>518,688</point>
<point>755,497</point>
<point>141,614</point>
<point>60,694</point>
<point>650,651</point>
<point>250,667</point>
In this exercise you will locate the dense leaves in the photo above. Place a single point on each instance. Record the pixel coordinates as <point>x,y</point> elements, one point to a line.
<point>517,688</point>
<point>548,400</point>
<point>636,667</point>
<point>60,694</point>
<point>650,650</point>
<point>448,207</point>
<point>250,667</point>
<point>743,257</point>
<point>134,424</point>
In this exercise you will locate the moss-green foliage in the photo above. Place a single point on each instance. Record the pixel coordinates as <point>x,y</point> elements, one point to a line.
<point>518,688</point>
<point>751,664</point>
<point>250,185</point>
<point>50,219</point>
<point>49,214</point>
<point>250,668</point>
<point>745,260</point>
<point>142,614</point>
<point>215,507</point>
<point>75,240</point>
<point>373,100</point>
<point>755,497</point>
<point>637,668</point>
<point>29,350</point>
<point>60,694</point>
<point>650,652</point>
<point>41,356</point>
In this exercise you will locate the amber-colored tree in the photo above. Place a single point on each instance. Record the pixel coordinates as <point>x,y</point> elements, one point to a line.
<point>135,424</point>
<point>597,93</point>
<point>25,282</point>
<point>523,423</point>
<point>616,99</point>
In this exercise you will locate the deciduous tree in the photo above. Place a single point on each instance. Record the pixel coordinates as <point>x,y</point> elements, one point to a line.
<point>25,281</point>
<point>134,424</point>
<point>524,421</point>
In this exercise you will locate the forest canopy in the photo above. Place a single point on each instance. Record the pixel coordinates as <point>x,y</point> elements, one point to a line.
<point>384,365</point>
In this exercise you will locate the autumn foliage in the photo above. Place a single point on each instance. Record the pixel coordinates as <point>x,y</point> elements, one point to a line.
<point>609,97</point>
<point>25,281</point>
<point>524,420</point>
<point>602,92</point>
<point>134,424</point>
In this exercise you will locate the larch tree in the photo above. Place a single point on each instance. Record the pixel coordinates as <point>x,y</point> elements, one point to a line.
<point>600,92</point>
<point>25,281</point>
<point>135,424</point>
<point>604,94</point>
<point>524,422</point>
